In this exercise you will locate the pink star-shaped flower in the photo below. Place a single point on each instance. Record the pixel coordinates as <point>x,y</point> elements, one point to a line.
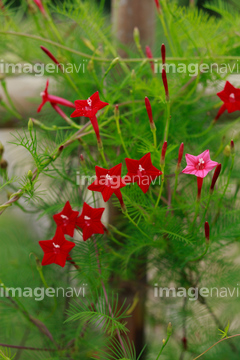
<point>66,219</point>
<point>141,171</point>
<point>54,100</point>
<point>108,182</point>
<point>89,108</point>
<point>199,165</point>
<point>90,221</point>
<point>56,250</point>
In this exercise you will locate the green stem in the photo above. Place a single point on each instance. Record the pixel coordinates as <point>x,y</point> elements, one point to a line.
<point>161,188</point>
<point>14,113</point>
<point>196,214</point>
<point>167,122</point>
<point>161,17</point>
<point>121,138</point>
<point>163,346</point>
<point>176,183</point>
<point>201,256</point>
<point>154,131</point>
<point>4,86</point>
<point>218,342</point>
<point>101,150</point>
<point>135,224</point>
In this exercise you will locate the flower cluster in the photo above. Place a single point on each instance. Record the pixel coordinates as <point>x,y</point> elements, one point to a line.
<point>57,250</point>
<point>110,181</point>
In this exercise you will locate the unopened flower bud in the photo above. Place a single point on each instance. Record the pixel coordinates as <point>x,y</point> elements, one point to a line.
<point>51,56</point>
<point>169,329</point>
<point>112,65</point>
<point>82,160</point>
<point>116,112</point>
<point>232,146</point>
<point>215,177</point>
<point>1,149</point>
<point>30,124</point>
<point>159,10</point>
<point>165,84</point>
<point>149,111</point>
<point>30,175</point>
<point>164,149</point>
<point>227,150</point>
<point>3,164</point>
<point>163,52</point>
<point>90,66</point>
<point>207,232</point>
<point>199,185</point>
<point>180,155</point>
<point>163,341</point>
<point>184,341</point>
<point>150,56</point>
<point>136,36</point>
<point>133,75</point>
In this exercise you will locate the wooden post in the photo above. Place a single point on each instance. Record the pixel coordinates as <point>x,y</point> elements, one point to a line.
<point>126,14</point>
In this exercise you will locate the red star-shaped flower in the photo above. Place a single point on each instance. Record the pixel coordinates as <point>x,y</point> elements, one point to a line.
<point>231,98</point>
<point>54,100</point>
<point>89,108</point>
<point>56,250</point>
<point>141,171</point>
<point>90,221</point>
<point>66,219</point>
<point>108,182</point>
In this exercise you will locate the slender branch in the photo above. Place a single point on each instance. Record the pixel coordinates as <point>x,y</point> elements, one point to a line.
<point>101,59</point>
<point>27,348</point>
<point>218,342</point>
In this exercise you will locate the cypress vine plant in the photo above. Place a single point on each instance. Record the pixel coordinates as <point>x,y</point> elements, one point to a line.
<point>134,181</point>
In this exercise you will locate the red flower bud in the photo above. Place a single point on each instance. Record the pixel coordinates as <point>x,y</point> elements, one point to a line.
<point>184,341</point>
<point>163,52</point>
<point>232,146</point>
<point>40,6</point>
<point>207,232</point>
<point>159,10</point>
<point>199,185</point>
<point>180,155</point>
<point>164,149</point>
<point>51,56</point>
<point>165,83</point>
<point>149,111</point>
<point>215,177</point>
<point>150,56</point>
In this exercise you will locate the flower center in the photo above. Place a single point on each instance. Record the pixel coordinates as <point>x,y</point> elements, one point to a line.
<point>201,164</point>
<point>232,97</point>
<point>87,220</point>
<point>56,248</point>
<point>89,101</point>
<point>140,171</point>
<point>108,180</point>
<point>65,219</point>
